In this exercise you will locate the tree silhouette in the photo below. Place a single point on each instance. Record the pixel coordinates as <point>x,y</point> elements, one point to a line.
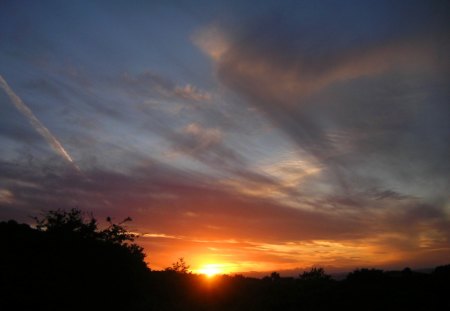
<point>69,263</point>
<point>75,222</point>
<point>315,274</point>
<point>179,266</point>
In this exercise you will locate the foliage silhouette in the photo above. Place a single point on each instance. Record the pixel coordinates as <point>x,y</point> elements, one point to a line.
<point>179,266</point>
<point>315,274</point>
<point>68,263</point>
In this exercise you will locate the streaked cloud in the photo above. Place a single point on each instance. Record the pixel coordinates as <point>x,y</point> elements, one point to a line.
<point>190,92</point>
<point>149,83</point>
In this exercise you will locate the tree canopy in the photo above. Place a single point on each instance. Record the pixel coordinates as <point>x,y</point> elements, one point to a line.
<point>67,259</point>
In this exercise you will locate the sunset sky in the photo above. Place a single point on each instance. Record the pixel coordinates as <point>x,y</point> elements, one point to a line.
<point>240,135</point>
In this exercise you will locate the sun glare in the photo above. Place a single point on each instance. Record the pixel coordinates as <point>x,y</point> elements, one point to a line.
<point>210,270</point>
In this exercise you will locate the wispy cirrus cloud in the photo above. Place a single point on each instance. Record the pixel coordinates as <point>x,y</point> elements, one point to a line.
<point>149,83</point>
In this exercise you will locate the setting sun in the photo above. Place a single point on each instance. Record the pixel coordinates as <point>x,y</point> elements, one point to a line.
<point>210,270</point>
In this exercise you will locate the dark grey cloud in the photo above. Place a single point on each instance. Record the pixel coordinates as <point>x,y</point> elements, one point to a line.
<point>348,105</point>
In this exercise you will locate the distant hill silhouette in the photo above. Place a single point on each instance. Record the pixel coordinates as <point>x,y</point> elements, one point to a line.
<point>68,263</point>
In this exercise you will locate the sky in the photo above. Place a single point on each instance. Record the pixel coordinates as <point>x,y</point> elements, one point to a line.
<point>240,135</point>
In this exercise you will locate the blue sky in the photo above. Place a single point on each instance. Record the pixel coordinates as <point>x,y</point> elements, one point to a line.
<point>258,135</point>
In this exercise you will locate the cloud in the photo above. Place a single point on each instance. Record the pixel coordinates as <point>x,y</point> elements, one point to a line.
<point>205,145</point>
<point>209,147</point>
<point>151,84</point>
<point>212,40</point>
<point>286,72</point>
<point>209,136</point>
<point>6,196</point>
<point>343,104</point>
<point>194,139</point>
<point>190,92</point>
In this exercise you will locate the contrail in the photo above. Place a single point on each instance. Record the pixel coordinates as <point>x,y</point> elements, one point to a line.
<point>37,125</point>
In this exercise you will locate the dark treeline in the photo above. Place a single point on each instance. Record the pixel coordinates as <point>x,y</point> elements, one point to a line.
<point>67,263</point>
